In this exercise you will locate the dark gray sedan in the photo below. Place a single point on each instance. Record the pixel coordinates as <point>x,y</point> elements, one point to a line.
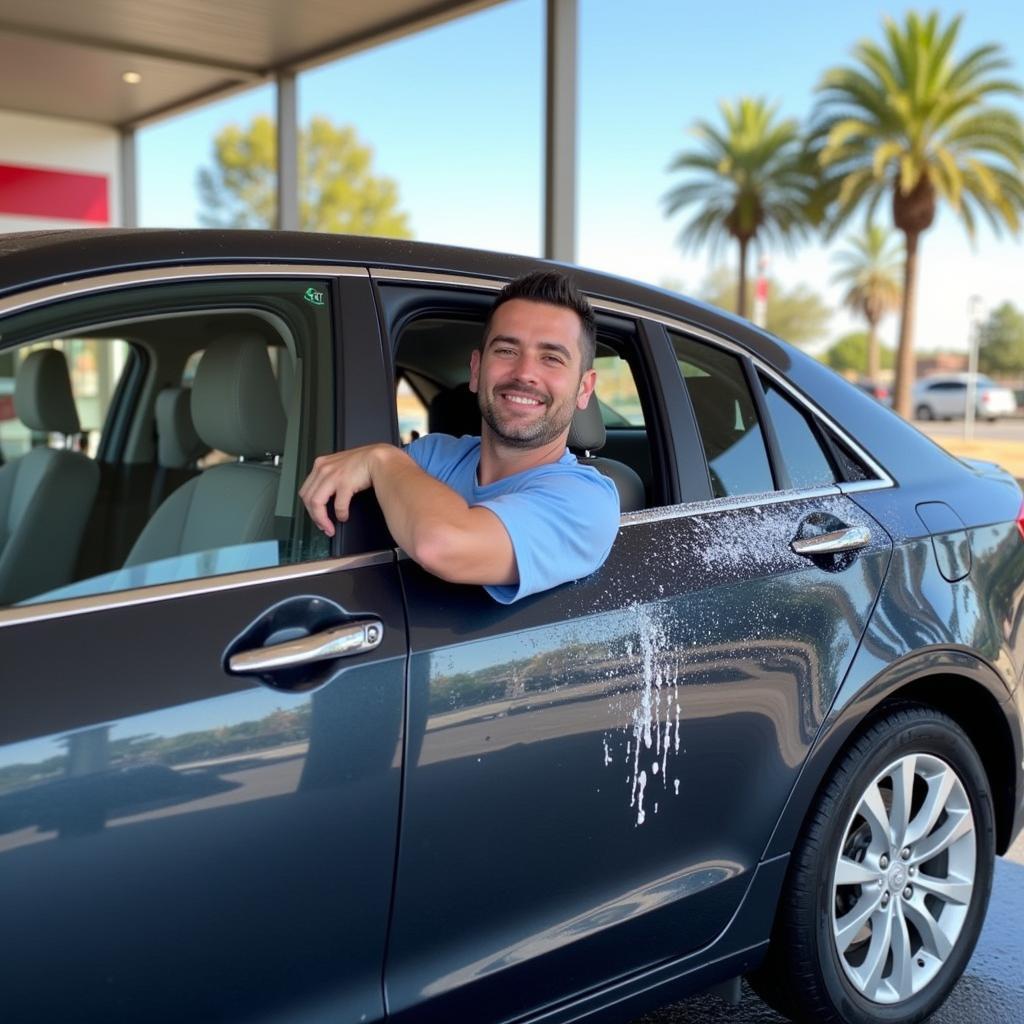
<point>250,774</point>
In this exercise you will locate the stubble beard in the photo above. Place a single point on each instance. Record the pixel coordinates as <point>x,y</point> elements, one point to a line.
<point>527,435</point>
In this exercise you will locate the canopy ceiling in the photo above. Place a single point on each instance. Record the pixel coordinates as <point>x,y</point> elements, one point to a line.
<point>67,59</point>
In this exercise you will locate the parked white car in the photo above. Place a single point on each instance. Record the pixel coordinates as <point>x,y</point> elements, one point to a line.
<point>944,397</point>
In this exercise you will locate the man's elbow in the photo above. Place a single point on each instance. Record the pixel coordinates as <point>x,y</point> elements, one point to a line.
<point>447,552</point>
<point>435,549</point>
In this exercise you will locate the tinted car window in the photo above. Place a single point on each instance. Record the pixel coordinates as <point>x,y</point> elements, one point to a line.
<point>155,527</point>
<point>727,418</point>
<point>805,460</point>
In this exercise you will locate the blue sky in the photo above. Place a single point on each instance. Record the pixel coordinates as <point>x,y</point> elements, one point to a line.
<point>454,115</point>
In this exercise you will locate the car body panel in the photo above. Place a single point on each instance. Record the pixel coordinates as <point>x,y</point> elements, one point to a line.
<point>606,763</point>
<point>173,814</point>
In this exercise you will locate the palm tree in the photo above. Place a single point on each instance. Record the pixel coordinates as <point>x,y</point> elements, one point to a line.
<point>871,270</point>
<point>912,122</point>
<point>752,180</point>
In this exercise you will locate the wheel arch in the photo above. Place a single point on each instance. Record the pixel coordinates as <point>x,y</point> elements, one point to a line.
<point>985,722</point>
<point>958,684</point>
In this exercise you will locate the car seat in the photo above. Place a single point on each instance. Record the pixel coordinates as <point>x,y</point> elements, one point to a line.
<point>236,408</point>
<point>178,446</point>
<point>47,494</point>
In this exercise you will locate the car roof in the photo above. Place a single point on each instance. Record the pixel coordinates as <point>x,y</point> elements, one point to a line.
<point>35,259</point>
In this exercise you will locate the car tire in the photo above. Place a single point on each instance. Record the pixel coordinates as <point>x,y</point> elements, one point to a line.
<point>857,952</point>
<point>924,412</point>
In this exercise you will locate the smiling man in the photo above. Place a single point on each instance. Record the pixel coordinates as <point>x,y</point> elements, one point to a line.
<point>511,510</point>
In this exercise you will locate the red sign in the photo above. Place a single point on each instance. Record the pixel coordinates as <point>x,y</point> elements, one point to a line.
<point>38,192</point>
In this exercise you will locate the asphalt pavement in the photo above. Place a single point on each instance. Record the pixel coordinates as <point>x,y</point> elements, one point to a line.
<point>990,992</point>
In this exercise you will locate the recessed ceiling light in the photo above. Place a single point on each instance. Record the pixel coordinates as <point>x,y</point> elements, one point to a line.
<point>131,77</point>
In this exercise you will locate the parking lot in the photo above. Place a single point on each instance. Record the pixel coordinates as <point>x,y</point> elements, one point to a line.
<point>1010,429</point>
<point>990,992</point>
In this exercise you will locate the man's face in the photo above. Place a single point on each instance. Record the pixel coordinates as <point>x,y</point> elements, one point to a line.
<point>529,377</point>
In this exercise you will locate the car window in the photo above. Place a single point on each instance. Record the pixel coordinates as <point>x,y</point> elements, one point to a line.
<point>726,418</point>
<point>432,352</point>
<point>805,460</point>
<point>94,366</point>
<point>620,401</point>
<point>412,412</point>
<point>182,493</point>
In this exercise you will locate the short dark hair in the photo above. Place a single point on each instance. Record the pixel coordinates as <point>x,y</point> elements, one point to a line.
<point>555,289</point>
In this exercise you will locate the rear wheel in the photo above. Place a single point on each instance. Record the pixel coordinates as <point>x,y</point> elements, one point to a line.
<point>924,412</point>
<point>889,883</point>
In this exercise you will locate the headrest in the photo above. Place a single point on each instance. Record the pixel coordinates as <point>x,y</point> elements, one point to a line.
<point>586,432</point>
<point>454,411</point>
<point>42,393</point>
<point>178,444</point>
<point>236,407</point>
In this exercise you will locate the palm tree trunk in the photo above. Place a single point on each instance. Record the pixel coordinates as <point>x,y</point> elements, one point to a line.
<point>874,363</point>
<point>905,363</point>
<point>741,294</point>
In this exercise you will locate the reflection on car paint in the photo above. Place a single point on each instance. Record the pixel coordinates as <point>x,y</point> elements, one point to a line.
<point>121,773</point>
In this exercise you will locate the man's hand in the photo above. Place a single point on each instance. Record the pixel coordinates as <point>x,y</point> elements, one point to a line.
<point>338,476</point>
<point>427,519</point>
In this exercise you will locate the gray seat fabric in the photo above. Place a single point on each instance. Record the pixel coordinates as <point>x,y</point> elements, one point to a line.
<point>178,444</point>
<point>46,495</point>
<point>456,411</point>
<point>586,436</point>
<point>236,408</point>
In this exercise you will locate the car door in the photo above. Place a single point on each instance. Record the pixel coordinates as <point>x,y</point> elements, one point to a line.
<point>183,835</point>
<point>592,774</point>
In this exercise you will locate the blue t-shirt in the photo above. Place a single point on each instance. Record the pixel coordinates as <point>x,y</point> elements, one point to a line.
<point>562,517</point>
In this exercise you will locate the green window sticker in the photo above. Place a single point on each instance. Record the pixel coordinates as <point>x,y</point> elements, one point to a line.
<point>315,296</point>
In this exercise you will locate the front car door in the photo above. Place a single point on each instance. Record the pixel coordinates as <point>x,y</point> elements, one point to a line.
<point>592,774</point>
<point>179,841</point>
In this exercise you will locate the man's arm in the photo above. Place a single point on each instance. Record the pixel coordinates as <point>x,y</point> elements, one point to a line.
<point>427,519</point>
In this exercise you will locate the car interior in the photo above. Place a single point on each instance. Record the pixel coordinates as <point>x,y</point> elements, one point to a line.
<point>197,448</point>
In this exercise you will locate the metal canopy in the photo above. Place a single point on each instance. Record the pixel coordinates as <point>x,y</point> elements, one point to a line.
<point>67,59</point>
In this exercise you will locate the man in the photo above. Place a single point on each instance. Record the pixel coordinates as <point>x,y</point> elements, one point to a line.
<point>512,510</point>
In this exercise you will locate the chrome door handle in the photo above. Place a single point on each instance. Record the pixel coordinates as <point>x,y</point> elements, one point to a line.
<point>850,538</point>
<point>339,642</point>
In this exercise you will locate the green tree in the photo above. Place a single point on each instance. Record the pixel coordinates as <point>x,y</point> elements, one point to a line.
<point>797,314</point>
<point>1001,341</point>
<point>751,181</point>
<point>338,190</point>
<point>850,354</point>
<point>910,121</point>
<point>871,270</point>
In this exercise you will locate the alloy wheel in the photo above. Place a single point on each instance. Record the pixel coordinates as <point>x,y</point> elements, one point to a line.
<point>904,878</point>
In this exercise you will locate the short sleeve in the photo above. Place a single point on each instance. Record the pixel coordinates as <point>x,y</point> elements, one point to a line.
<point>562,526</point>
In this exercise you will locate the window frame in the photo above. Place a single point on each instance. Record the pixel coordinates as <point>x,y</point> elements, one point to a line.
<point>404,297</point>
<point>54,296</point>
<point>690,482</point>
<point>821,424</point>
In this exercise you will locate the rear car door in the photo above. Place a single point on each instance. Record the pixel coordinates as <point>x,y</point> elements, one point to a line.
<point>180,839</point>
<point>593,773</point>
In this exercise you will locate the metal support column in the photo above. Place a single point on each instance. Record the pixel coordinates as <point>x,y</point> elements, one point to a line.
<point>129,179</point>
<point>287,153</point>
<point>560,132</point>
